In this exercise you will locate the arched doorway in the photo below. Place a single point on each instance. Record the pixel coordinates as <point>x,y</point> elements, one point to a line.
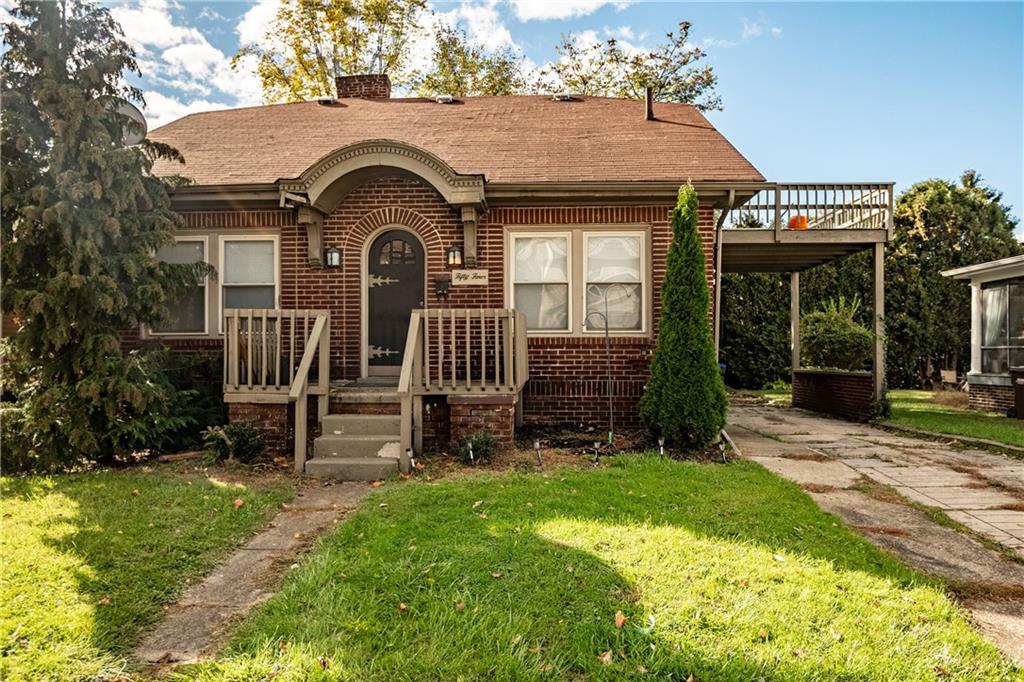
<point>395,268</point>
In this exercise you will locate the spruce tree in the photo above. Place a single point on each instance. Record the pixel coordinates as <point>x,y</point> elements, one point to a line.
<point>684,400</point>
<point>82,218</point>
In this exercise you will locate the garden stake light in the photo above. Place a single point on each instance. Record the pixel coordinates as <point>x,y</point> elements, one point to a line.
<point>597,452</point>
<point>608,355</point>
<point>661,445</point>
<point>472,460</point>
<point>536,447</point>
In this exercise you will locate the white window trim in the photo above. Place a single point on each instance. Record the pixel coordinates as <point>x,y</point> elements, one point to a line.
<point>511,281</point>
<point>206,290</point>
<point>643,281</point>
<point>222,239</point>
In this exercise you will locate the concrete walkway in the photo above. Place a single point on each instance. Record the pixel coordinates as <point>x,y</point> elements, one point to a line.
<point>194,624</point>
<point>837,462</point>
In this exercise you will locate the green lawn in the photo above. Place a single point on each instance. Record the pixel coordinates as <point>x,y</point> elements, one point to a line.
<point>919,410</point>
<point>88,560</point>
<point>725,572</point>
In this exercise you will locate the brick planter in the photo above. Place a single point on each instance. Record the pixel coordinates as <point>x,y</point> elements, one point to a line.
<point>841,394</point>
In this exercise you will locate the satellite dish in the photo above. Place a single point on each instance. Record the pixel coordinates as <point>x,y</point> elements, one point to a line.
<point>135,132</point>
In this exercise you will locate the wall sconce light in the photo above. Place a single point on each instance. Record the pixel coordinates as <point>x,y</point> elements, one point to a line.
<point>332,257</point>
<point>454,256</point>
<point>441,285</point>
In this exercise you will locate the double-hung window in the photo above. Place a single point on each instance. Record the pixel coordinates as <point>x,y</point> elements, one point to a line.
<point>541,268</point>
<point>613,266</point>
<point>249,274</point>
<point>574,282</point>
<point>1002,326</point>
<point>188,311</point>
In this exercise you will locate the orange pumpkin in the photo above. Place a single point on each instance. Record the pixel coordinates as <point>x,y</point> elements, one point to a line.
<point>798,222</point>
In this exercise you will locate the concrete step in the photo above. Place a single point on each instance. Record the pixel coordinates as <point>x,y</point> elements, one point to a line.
<point>357,446</point>
<point>361,425</point>
<point>352,468</point>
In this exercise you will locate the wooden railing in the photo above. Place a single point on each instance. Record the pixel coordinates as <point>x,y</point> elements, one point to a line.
<point>460,351</point>
<point>809,206</point>
<point>269,356</point>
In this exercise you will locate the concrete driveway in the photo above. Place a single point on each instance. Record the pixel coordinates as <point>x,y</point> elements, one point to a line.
<point>869,476</point>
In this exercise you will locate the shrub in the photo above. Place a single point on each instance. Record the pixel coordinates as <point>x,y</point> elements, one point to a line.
<point>684,400</point>
<point>483,445</point>
<point>242,441</point>
<point>832,338</point>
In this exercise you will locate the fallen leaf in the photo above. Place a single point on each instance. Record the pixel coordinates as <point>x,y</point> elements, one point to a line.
<point>640,669</point>
<point>460,606</point>
<point>690,678</point>
<point>517,639</point>
<point>135,493</point>
<point>105,600</point>
<point>743,582</point>
<point>324,663</point>
<point>779,557</point>
<point>620,619</point>
<point>376,484</point>
<point>239,502</point>
<point>383,505</point>
<point>605,658</point>
<point>495,574</point>
<point>568,568</point>
<point>477,503</point>
<point>762,634</point>
<point>297,536</point>
<point>402,607</point>
<point>547,667</point>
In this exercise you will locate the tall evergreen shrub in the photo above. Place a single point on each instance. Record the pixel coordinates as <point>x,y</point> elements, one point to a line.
<point>684,399</point>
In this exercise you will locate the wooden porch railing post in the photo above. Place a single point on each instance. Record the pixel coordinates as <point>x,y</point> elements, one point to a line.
<point>301,403</point>
<point>323,379</point>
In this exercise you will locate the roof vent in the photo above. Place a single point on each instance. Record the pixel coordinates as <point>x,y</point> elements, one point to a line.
<point>562,97</point>
<point>326,101</point>
<point>444,99</point>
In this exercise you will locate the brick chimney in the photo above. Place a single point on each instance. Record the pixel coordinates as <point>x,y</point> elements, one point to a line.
<point>364,85</point>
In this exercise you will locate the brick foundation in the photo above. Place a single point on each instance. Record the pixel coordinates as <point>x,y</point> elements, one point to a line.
<point>272,419</point>
<point>436,423</point>
<point>841,394</point>
<point>475,413</point>
<point>989,398</point>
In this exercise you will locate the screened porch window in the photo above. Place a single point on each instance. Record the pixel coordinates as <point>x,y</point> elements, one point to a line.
<point>540,280</point>
<point>188,312</point>
<point>1002,326</point>
<point>249,273</point>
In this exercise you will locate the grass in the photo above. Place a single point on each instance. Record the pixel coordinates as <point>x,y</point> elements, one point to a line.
<point>922,410</point>
<point>89,560</point>
<point>725,572</point>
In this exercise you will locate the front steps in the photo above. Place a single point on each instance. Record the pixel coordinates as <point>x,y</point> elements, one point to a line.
<point>363,442</point>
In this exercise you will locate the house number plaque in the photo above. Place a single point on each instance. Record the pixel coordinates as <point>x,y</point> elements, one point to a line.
<point>469,278</point>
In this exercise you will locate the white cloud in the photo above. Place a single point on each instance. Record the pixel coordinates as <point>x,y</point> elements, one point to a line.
<point>161,109</point>
<point>257,21</point>
<point>483,24</point>
<point>195,59</point>
<point>529,10</point>
<point>719,42</point>
<point>776,32</point>
<point>149,24</point>
<point>751,29</point>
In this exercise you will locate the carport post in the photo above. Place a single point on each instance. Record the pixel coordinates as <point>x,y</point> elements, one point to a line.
<point>794,319</point>
<point>878,287</point>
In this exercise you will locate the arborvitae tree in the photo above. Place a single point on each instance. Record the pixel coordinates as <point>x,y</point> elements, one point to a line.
<point>684,399</point>
<point>81,221</point>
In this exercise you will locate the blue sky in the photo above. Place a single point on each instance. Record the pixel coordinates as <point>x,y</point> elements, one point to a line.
<point>812,91</point>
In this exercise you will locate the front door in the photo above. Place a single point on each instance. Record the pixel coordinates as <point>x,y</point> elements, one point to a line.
<point>395,281</point>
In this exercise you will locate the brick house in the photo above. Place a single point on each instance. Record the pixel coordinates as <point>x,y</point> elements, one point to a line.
<point>394,273</point>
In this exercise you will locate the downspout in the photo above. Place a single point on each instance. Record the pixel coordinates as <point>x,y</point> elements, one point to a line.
<point>718,268</point>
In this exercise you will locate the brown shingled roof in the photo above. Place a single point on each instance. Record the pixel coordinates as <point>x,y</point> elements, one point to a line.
<point>506,139</point>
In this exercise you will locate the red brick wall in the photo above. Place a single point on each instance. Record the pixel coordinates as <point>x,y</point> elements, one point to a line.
<point>271,419</point>
<point>990,398</point>
<point>568,374</point>
<point>468,414</point>
<point>841,394</point>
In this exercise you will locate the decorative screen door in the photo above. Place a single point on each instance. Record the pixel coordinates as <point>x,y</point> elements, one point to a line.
<point>394,278</point>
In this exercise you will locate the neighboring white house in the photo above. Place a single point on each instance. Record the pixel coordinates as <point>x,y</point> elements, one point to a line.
<point>997,329</point>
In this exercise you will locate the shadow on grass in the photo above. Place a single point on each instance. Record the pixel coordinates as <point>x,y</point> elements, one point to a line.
<point>520,577</point>
<point>110,548</point>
